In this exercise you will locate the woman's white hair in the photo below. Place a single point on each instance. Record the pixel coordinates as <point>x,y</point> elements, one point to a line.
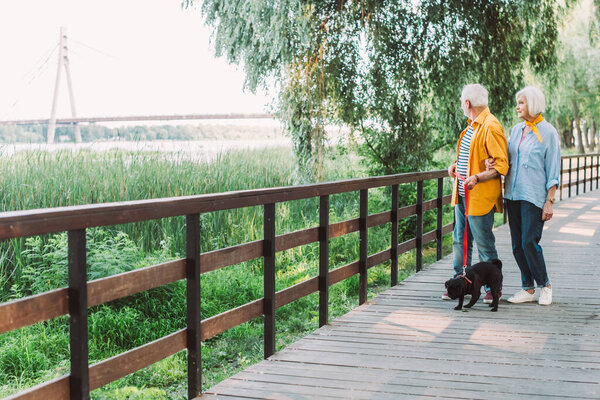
<point>476,94</point>
<point>536,102</point>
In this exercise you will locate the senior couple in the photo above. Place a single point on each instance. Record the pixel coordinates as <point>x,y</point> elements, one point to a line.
<point>530,163</point>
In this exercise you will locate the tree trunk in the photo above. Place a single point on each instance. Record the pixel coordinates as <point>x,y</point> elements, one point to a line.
<point>584,134</point>
<point>580,147</point>
<point>592,135</point>
<point>568,134</point>
<point>571,134</point>
<point>561,135</point>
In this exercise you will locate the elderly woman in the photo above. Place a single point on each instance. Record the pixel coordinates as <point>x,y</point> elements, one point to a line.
<point>529,188</point>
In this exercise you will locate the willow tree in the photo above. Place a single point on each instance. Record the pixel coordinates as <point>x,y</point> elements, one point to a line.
<point>390,71</point>
<point>575,96</point>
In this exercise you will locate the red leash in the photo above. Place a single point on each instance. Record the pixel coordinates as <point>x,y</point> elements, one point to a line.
<point>466,224</point>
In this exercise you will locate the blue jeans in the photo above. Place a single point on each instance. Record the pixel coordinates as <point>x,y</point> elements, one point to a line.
<point>526,225</point>
<point>480,229</point>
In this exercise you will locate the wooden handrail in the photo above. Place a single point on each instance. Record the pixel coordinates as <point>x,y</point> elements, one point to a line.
<point>15,224</point>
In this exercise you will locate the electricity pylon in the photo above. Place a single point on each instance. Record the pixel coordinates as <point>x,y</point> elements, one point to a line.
<point>63,61</point>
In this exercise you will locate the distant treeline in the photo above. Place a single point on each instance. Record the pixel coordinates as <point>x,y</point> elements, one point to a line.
<point>91,133</point>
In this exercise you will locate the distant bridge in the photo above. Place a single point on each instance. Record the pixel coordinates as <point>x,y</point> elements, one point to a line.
<point>169,117</point>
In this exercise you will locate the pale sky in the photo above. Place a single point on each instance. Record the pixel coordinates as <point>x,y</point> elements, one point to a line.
<point>126,57</point>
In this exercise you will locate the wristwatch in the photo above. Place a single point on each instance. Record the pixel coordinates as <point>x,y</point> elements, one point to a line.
<point>551,200</point>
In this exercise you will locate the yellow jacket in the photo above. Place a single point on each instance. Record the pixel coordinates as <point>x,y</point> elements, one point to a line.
<point>488,141</point>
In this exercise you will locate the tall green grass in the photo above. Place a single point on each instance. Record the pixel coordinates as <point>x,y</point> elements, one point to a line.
<point>27,266</point>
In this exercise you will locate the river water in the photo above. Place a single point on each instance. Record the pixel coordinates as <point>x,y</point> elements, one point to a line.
<point>203,150</point>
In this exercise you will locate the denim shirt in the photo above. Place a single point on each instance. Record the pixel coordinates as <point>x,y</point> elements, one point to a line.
<point>534,167</point>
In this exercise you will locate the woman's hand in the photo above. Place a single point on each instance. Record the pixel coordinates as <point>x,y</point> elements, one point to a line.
<point>547,211</point>
<point>451,170</point>
<point>489,164</point>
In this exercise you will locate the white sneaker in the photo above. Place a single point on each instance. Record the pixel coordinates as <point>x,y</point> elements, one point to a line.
<point>545,296</point>
<point>522,296</point>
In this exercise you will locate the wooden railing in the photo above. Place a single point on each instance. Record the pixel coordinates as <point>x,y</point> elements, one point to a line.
<point>575,170</point>
<point>82,294</point>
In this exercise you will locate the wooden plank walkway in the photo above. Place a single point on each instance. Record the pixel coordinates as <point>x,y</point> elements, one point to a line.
<point>407,343</point>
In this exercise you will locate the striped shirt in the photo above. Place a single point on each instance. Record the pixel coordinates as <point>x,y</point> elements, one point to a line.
<point>463,158</point>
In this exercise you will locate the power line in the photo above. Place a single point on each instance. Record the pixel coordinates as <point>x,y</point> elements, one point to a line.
<point>92,48</point>
<point>35,73</point>
<point>44,64</point>
<point>50,52</point>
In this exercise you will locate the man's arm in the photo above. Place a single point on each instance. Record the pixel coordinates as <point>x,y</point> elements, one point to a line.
<point>481,177</point>
<point>497,148</point>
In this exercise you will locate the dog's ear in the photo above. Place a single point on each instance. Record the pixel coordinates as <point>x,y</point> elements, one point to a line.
<point>446,284</point>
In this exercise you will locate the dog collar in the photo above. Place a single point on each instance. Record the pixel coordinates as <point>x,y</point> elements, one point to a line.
<point>466,279</point>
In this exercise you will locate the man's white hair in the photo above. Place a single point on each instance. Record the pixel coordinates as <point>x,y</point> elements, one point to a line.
<point>536,102</point>
<point>476,94</point>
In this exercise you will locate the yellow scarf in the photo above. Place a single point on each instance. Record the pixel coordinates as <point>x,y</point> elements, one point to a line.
<point>533,126</point>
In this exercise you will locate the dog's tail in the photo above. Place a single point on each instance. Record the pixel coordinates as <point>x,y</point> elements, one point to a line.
<point>497,263</point>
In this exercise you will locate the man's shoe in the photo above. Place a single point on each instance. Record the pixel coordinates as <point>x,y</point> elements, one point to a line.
<point>545,297</point>
<point>488,297</point>
<point>522,296</point>
<point>446,297</point>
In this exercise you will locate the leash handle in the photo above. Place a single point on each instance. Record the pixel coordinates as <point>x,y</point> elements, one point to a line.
<point>466,220</point>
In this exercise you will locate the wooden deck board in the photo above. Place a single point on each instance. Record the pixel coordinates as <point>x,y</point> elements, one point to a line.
<point>407,343</point>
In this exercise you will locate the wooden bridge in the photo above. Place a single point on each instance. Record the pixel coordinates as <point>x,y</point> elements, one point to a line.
<point>405,343</point>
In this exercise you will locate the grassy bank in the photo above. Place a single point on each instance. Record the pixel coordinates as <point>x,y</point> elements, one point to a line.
<point>27,266</point>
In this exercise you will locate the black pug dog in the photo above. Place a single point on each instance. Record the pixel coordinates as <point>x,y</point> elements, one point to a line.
<point>483,273</point>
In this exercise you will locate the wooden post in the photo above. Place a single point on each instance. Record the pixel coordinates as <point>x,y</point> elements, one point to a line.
<point>584,173</point>
<point>438,230</point>
<point>570,166</point>
<point>269,279</point>
<point>79,381</point>
<point>597,170</point>
<point>363,250</point>
<point>591,173</point>
<point>419,230</point>
<point>394,247</point>
<point>193,332</point>
<point>324,260</point>
<point>561,181</point>
<point>577,187</point>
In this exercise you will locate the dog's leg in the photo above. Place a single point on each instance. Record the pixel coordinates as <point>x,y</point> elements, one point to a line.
<point>495,299</point>
<point>474,297</point>
<point>460,303</point>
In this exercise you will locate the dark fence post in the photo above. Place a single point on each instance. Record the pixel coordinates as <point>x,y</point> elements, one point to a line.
<point>324,260</point>
<point>584,173</point>
<point>440,221</point>
<point>591,171</point>
<point>193,331</point>
<point>79,381</point>
<point>363,250</point>
<point>577,187</point>
<point>570,166</point>
<point>419,230</point>
<point>597,170</point>
<point>394,248</point>
<point>560,181</point>
<point>269,278</point>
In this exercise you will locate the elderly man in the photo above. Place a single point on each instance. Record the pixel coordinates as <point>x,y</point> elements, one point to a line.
<point>482,139</point>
